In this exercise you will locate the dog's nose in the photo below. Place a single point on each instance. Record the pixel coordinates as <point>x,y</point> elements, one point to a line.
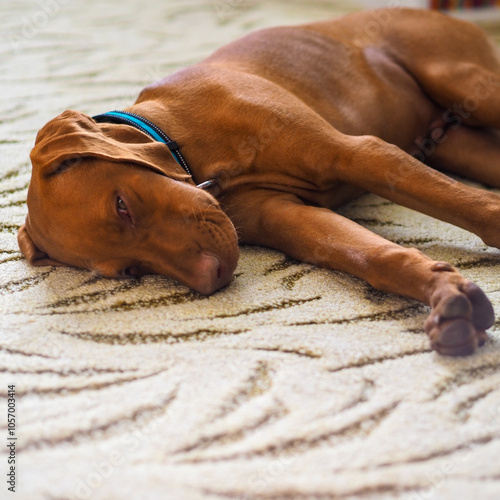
<point>210,274</point>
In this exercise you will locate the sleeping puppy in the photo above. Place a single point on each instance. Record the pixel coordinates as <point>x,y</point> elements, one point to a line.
<point>270,135</point>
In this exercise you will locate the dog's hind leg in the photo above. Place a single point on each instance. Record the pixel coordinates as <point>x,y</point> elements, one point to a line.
<point>460,311</point>
<point>469,91</point>
<point>454,62</point>
<point>473,153</point>
<point>463,78</point>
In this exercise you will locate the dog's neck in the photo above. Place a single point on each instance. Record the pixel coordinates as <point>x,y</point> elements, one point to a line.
<point>159,116</point>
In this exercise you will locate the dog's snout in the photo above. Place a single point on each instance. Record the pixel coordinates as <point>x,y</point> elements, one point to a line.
<point>211,273</point>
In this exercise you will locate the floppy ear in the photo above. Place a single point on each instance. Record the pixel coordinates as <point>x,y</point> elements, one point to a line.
<point>33,254</point>
<point>73,136</point>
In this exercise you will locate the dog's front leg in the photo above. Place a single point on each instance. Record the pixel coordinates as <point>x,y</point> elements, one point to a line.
<point>460,311</point>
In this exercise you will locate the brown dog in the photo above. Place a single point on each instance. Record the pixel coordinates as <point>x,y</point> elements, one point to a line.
<point>287,124</point>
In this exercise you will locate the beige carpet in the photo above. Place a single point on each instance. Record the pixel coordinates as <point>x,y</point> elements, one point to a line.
<point>293,383</point>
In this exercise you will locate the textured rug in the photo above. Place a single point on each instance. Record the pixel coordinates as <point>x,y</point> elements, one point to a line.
<point>293,383</point>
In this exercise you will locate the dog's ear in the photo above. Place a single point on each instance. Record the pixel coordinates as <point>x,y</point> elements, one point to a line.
<point>33,254</point>
<point>73,136</point>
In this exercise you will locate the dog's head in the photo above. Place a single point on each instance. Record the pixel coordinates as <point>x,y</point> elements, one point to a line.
<point>108,198</point>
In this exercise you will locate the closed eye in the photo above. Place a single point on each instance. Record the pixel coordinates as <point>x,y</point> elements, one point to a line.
<point>126,273</point>
<point>133,271</point>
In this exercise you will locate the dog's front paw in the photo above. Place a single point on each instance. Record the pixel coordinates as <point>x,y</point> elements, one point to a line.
<point>459,318</point>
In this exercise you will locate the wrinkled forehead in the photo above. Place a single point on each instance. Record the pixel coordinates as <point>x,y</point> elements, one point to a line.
<point>68,211</point>
<point>54,197</point>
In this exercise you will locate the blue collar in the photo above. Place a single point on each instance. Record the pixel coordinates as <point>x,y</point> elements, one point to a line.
<point>148,128</point>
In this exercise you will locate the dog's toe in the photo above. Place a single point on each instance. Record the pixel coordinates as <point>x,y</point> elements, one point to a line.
<point>483,315</point>
<point>457,306</point>
<point>455,333</point>
<point>482,337</point>
<point>455,337</point>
